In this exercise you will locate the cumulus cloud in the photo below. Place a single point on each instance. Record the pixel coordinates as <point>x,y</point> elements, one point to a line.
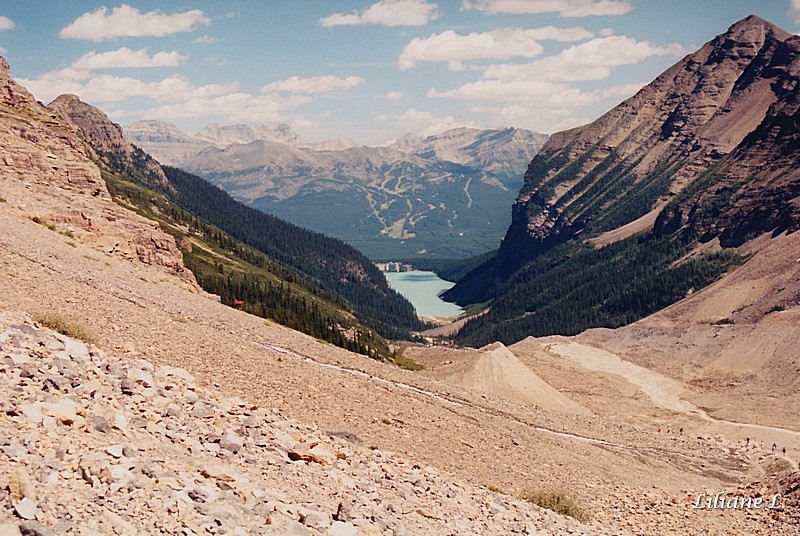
<point>93,87</point>
<point>592,60</point>
<point>314,84</point>
<point>235,107</point>
<point>505,43</point>
<point>126,21</point>
<point>125,57</point>
<point>794,11</point>
<point>306,123</point>
<point>394,95</point>
<point>387,13</point>
<point>533,92</point>
<point>565,8</point>
<point>423,123</point>
<point>6,24</point>
<point>540,93</point>
<point>624,90</point>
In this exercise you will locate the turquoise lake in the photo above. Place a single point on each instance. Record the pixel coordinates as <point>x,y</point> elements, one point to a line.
<point>422,289</point>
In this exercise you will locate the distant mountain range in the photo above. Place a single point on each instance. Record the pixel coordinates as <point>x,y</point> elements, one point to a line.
<point>442,196</point>
<point>628,214</point>
<point>251,260</point>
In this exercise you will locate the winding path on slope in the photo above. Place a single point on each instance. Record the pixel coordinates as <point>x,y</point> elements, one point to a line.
<point>662,390</point>
<point>658,386</point>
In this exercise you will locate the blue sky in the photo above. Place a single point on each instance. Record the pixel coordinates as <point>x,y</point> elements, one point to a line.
<point>363,69</point>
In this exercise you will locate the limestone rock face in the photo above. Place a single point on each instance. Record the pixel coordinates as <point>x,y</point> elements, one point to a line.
<point>47,174</point>
<point>105,138</point>
<point>720,125</point>
<point>164,141</point>
<point>38,147</point>
<point>499,151</point>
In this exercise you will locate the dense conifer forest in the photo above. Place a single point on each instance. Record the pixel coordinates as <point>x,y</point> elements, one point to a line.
<point>332,264</point>
<point>574,287</point>
<point>253,261</point>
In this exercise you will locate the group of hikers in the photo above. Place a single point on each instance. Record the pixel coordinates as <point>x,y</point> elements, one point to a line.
<point>774,446</point>
<point>747,443</point>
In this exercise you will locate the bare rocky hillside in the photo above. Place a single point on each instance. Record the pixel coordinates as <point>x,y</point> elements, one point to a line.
<point>273,432</point>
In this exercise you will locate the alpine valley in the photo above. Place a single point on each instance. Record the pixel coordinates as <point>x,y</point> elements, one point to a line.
<point>444,196</point>
<point>173,361</point>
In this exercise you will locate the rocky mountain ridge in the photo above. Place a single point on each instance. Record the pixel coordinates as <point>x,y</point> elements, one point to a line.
<point>40,148</point>
<point>705,154</point>
<point>442,195</point>
<point>650,147</point>
<point>80,468</point>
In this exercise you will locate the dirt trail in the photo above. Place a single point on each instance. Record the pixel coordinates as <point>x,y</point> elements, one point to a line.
<point>663,391</point>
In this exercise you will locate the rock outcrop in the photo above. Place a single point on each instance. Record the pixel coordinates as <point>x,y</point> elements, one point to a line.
<point>38,147</point>
<point>48,174</point>
<point>711,145</point>
<point>93,442</point>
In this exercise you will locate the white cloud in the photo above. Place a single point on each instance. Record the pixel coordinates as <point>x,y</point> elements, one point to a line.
<point>127,21</point>
<point>612,51</point>
<point>6,24</point>
<point>306,123</point>
<point>95,88</point>
<point>794,11</point>
<point>234,107</point>
<point>423,123</point>
<point>591,60</point>
<point>125,57</point>
<point>545,71</point>
<point>505,43</point>
<point>535,93</point>
<point>315,84</point>
<point>535,119</point>
<point>205,40</point>
<point>387,13</point>
<point>394,95</point>
<point>565,8</point>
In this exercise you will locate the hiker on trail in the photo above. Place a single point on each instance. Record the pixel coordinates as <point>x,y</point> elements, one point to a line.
<point>784,451</point>
<point>681,430</point>
<point>659,429</point>
<point>747,443</point>
<point>774,446</point>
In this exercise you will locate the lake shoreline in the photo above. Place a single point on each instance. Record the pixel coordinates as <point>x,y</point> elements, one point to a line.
<point>422,289</point>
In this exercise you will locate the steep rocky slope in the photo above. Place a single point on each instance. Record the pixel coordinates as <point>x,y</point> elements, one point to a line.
<point>167,456</point>
<point>333,283</point>
<point>257,382</point>
<point>40,150</point>
<point>705,155</point>
<point>678,127</point>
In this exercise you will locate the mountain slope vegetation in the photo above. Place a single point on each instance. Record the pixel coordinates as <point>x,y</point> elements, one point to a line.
<point>444,196</point>
<point>252,260</point>
<point>701,160</point>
